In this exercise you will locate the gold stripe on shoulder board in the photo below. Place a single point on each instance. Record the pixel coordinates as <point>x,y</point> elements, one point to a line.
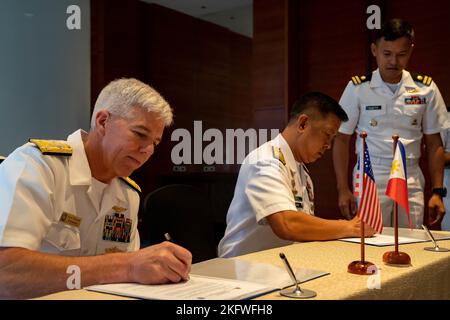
<point>131,183</point>
<point>53,147</point>
<point>277,154</point>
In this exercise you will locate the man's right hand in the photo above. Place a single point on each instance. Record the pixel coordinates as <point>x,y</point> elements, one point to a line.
<point>161,263</point>
<point>347,204</point>
<point>355,228</point>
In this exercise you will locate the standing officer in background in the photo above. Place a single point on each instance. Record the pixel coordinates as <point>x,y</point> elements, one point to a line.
<point>391,101</point>
<point>273,204</point>
<point>70,202</point>
<point>445,224</point>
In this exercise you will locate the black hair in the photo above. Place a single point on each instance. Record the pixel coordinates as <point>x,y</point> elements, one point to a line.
<point>317,101</point>
<point>395,29</point>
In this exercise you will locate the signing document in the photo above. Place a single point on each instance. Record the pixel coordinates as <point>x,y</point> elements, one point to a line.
<point>197,288</point>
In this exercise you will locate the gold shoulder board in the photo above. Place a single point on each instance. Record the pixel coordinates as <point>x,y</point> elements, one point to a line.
<point>426,80</point>
<point>278,155</point>
<point>357,80</point>
<point>131,183</point>
<point>53,147</point>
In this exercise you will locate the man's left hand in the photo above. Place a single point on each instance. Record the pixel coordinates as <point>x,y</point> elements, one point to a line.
<point>436,210</point>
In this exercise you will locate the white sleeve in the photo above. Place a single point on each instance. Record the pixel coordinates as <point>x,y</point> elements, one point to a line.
<point>435,117</point>
<point>268,190</point>
<point>26,193</point>
<point>445,135</point>
<point>350,104</point>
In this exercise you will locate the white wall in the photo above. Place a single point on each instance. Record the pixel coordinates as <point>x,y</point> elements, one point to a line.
<point>44,71</point>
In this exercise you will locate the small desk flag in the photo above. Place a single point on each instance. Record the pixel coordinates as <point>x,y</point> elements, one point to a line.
<point>369,210</point>
<point>397,188</point>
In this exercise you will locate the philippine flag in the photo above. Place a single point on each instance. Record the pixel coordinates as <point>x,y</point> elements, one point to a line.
<point>397,188</point>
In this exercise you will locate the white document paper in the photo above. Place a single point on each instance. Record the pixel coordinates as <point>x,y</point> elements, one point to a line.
<point>197,288</point>
<point>381,240</point>
<point>266,274</point>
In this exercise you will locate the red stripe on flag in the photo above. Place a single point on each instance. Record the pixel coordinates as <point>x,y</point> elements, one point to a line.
<point>369,210</point>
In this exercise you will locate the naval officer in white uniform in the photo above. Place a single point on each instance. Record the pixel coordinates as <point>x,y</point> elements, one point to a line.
<point>273,203</point>
<point>70,203</point>
<point>389,101</point>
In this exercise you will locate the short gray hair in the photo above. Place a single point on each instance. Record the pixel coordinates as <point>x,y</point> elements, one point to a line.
<point>121,95</point>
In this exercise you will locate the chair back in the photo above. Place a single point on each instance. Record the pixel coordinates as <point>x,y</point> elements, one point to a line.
<point>183,211</point>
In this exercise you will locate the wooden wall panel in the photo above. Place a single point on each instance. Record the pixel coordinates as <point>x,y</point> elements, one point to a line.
<point>203,70</point>
<point>270,42</point>
<point>333,45</point>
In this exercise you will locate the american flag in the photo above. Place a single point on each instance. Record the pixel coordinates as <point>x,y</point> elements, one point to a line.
<point>369,210</point>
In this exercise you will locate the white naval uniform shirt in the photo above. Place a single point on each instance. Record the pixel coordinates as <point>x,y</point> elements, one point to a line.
<point>445,135</point>
<point>265,186</point>
<point>36,189</point>
<point>374,108</point>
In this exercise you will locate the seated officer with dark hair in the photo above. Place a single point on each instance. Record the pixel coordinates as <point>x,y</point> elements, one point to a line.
<point>273,200</point>
<point>67,203</point>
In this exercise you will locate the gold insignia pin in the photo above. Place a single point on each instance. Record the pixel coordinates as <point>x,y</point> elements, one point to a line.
<point>70,219</point>
<point>113,250</point>
<point>278,155</point>
<point>118,209</point>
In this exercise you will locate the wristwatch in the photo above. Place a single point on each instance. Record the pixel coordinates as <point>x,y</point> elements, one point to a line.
<point>442,192</point>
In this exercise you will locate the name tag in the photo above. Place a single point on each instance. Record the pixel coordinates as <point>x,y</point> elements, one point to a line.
<point>373,107</point>
<point>70,219</point>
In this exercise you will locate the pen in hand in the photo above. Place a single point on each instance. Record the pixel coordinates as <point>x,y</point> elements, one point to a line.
<point>169,238</point>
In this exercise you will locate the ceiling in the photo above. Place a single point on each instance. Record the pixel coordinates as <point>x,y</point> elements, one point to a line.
<point>236,15</point>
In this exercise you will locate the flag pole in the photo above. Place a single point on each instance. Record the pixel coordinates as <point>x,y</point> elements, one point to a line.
<point>363,136</point>
<point>395,138</point>
<point>396,258</point>
<point>362,266</point>
<point>362,244</point>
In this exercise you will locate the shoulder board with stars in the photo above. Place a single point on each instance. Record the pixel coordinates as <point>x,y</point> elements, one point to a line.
<point>53,147</point>
<point>357,80</point>
<point>131,183</point>
<point>278,155</point>
<point>417,77</point>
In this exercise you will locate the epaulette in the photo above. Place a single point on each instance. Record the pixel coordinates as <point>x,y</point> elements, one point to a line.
<point>53,147</point>
<point>360,79</point>
<point>131,183</point>
<point>417,77</point>
<point>278,155</point>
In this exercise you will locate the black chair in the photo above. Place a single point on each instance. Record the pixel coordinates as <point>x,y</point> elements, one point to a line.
<point>185,213</point>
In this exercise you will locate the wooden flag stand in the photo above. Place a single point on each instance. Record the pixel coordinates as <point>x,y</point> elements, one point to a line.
<point>396,258</point>
<point>362,266</point>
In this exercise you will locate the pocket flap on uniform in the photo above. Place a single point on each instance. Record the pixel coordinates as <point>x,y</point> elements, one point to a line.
<point>63,236</point>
